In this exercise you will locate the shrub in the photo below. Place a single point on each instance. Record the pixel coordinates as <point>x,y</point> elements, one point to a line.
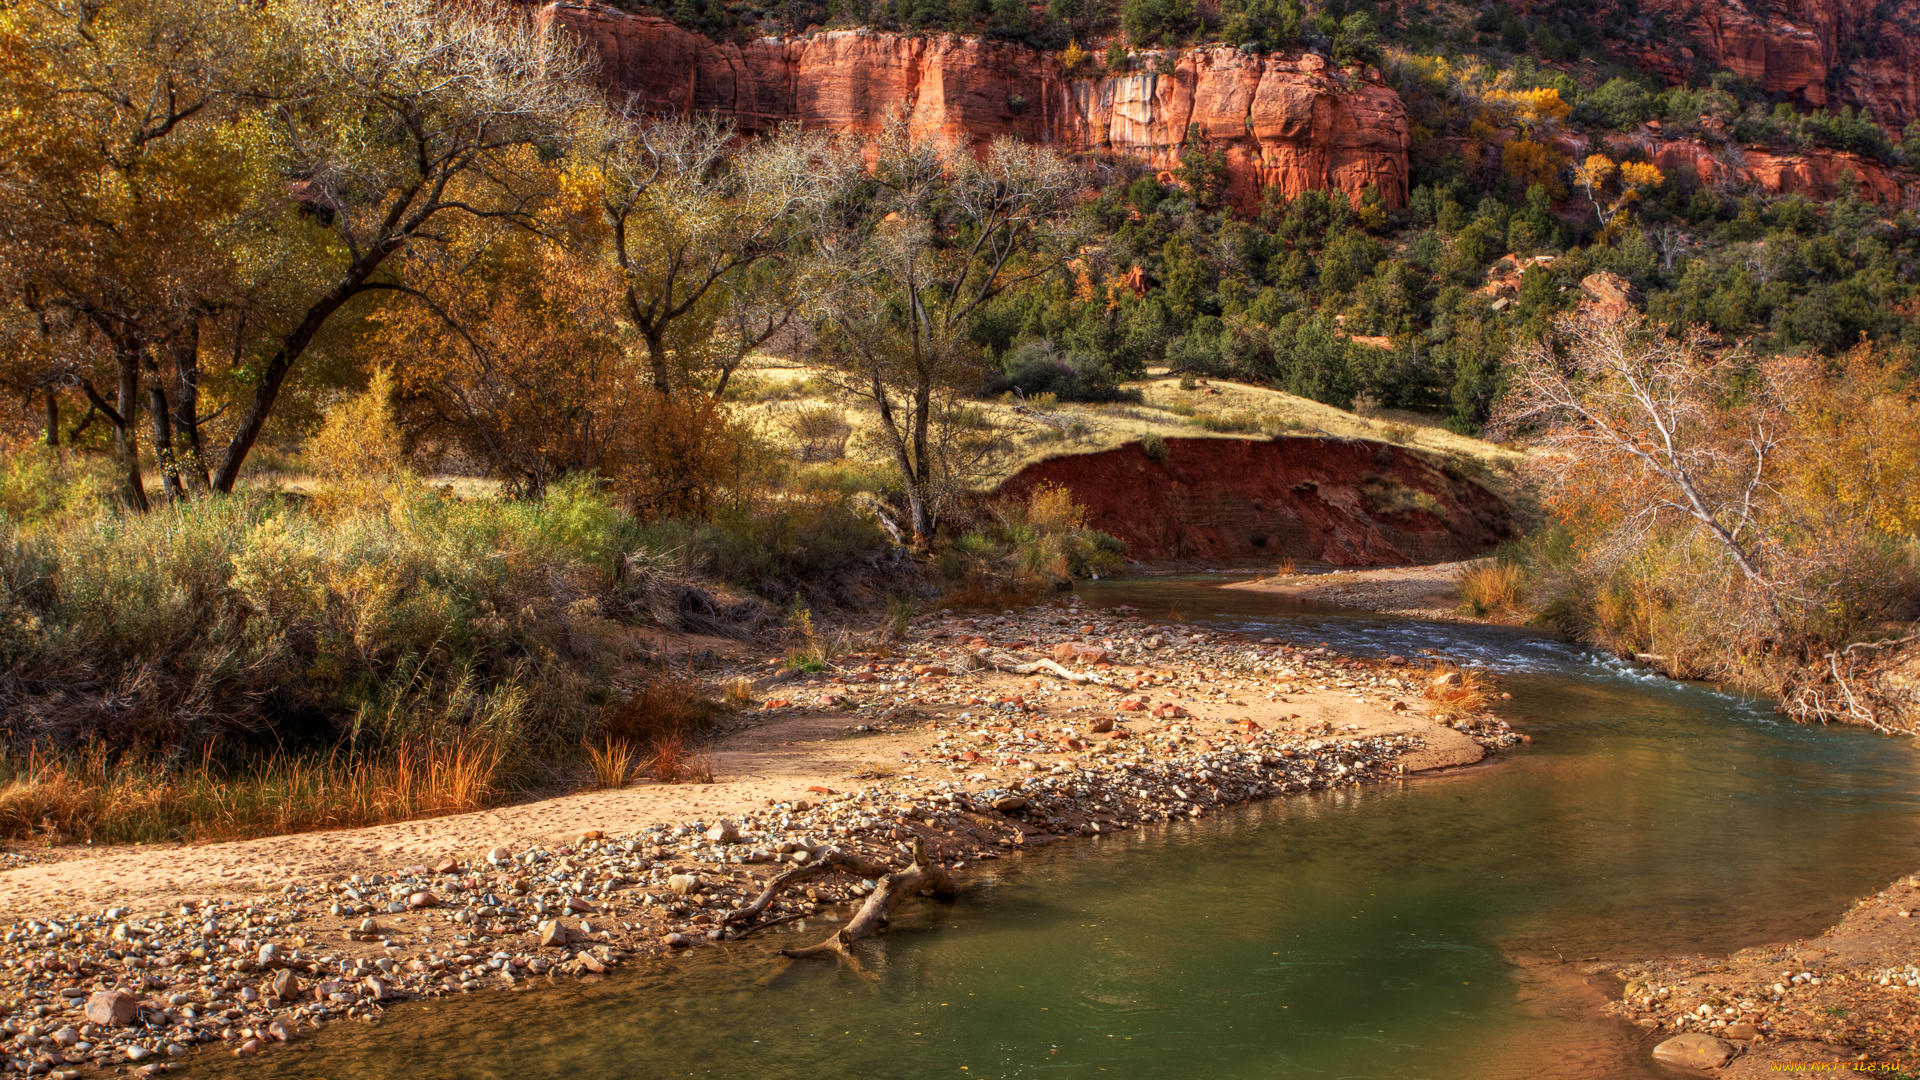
<point>259,620</point>
<point>1154,447</point>
<point>1024,547</point>
<point>1492,588</point>
<point>1037,368</point>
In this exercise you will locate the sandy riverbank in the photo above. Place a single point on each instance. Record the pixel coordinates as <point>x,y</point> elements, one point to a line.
<point>926,739</point>
<point>1417,592</point>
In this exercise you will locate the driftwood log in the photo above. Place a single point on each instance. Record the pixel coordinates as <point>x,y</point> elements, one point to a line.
<point>1014,666</point>
<point>891,886</point>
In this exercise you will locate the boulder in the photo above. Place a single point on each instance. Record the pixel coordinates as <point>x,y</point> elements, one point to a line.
<point>1607,293</point>
<point>112,1008</point>
<point>284,985</point>
<point>1693,1051</point>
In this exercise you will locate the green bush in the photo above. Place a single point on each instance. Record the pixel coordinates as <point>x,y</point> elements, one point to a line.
<point>257,618</point>
<point>1154,447</point>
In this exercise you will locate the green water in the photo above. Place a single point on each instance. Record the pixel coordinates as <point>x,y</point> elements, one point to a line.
<point>1410,930</point>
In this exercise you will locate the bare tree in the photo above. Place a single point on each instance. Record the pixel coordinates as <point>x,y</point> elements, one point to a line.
<point>1616,401</point>
<point>944,231</point>
<point>685,217</point>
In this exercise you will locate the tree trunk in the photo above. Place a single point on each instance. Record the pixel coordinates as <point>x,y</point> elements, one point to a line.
<point>53,417</point>
<point>920,483</point>
<point>126,433</point>
<point>292,347</point>
<point>162,420</point>
<point>657,356</point>
<point>190,456</point>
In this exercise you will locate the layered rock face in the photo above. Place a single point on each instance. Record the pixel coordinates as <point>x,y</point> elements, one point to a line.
<point>1815,174</point>
<point>1290,124</point>
<point>1328,501</point>
<point>1819,52</point>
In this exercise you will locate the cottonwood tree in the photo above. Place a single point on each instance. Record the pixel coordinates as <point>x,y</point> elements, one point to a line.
<point>121,180</point>
<point>1620,406</point>
<point>689,220</point>
<point>939,231</point>
<point>394,120</point>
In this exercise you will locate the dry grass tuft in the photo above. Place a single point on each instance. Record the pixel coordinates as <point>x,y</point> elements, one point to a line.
<point>738,690</point>
<point>662,720</point>
<point>674,761</point>
<point>1491,588</point>
<point>612,763</point>
<point>97,795</point>
<point>1458,690</point>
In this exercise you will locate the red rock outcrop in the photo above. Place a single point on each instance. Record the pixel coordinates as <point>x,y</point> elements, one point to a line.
<point>1815,174</point>
<point>1290,123</point>
<point>1330,501</point>
<point>1821,53</point>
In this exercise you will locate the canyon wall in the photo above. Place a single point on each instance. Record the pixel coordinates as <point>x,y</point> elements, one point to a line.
<point>1327,501</point>
<point>1820,53</point>
<point>1815,174</point>
<point>1287,123</point>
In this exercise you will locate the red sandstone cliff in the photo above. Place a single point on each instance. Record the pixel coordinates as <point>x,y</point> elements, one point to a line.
<point>1815,174</point>
<point>1821,53</point>
<point>1331,501</point>
<point>1293,124</point>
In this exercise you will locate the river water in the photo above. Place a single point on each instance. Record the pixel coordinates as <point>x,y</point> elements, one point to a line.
<point>1415,929</point>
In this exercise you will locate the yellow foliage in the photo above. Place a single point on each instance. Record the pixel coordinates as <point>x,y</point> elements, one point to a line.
<point>360,442</point>
<point>1855,450</point>
<point>1595,171</point>
<point>1639,175</point>
<point>1073,57</point>
<point>1529,162</point>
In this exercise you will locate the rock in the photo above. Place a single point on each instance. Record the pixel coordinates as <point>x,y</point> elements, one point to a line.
<point>446,866</point>
<point>280,1032</point>
<point>1742,1032</point>
<point>136,1052</point>
<point>1285,123</point>
<point>1693,1051</point>
<point>680,941</point>
<point>248,1048</point>
<point>724,833</point>
<point>371,926</point>
<point>423,900</point>
<point>1009,804</point>
<point>67,1035</point>
<point>1607,293</point>
<point>112,1008</point>
<point>284,985</point>
<point>576,903</point>
<point>269,955</point>
<point>376,989</point>
<point>1451,678</point>
<point>1069,652</point>
<point>499,856</point>
<point>1101,726</point>
<point>553,935</point>
<point>589,962</point>
<point>687,884</point>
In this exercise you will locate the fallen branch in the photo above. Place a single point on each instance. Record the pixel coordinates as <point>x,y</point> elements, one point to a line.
<point>1015,666</point>
<point>823,861</point>
<point>924,876</point>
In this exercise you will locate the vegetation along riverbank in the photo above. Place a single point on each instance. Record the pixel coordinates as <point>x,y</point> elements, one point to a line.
<point>490,491</point>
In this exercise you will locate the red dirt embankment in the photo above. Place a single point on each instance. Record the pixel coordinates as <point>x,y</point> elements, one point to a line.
<point>1331,501</point>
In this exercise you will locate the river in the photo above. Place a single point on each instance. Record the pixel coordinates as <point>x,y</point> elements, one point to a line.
<point>1426,928</point>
